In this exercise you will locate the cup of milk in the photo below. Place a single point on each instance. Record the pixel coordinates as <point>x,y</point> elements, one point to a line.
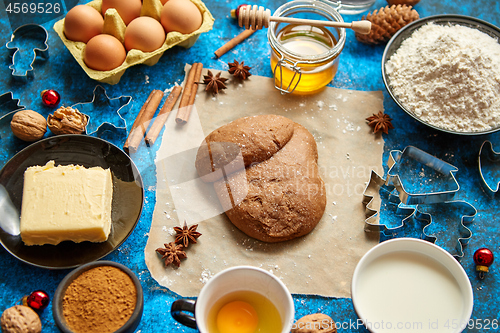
<point>411,285</point>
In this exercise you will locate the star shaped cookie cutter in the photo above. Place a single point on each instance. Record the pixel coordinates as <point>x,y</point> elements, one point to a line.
<point>35,36</point>
<point>487,160</point>
<point>103,107</point>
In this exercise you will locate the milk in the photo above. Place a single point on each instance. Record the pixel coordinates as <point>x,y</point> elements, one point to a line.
<point>409,292</point>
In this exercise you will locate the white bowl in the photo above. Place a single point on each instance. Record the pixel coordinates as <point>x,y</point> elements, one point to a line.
<point>411,285</point>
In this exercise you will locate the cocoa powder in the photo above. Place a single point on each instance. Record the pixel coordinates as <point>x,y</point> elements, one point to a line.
<point>101,299</point>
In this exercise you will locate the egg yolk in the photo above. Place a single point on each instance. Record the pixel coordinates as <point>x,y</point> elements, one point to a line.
<point>237,317</point>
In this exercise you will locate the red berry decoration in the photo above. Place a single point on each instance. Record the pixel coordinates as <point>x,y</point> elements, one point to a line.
<point>483,258</point>
<point>50,98</point>
<point>37,300</point>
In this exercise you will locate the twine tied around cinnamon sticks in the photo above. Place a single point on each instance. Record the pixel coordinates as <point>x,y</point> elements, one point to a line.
<point>148,110</point>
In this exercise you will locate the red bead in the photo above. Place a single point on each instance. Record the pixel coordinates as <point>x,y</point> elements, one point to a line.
<point>238,9</point>
<point>483,257</point>
<point>38,300</point>
<point>50,98</point>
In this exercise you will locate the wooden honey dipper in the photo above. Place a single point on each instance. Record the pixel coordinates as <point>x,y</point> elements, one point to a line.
<point>256,17</point>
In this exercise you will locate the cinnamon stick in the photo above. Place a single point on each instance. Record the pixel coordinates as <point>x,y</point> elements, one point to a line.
<point>160,120</point>
<point>189,95</point>
<point>233,42</point>
<point>142,120</point>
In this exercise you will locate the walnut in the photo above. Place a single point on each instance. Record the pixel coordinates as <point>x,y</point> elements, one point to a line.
<point>28,125</point>
<point>314,323</point>
<point>20,319</point>
<point>67,120</point>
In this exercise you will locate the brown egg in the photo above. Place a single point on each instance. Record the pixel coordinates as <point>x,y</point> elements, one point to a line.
<point>82,23</point>
<point>145,34</point>
<point>104,53</point>
<point>128,9</point>
<point>180,15</point>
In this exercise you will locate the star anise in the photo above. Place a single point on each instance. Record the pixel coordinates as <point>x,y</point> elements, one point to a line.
<point>380,122</point>
<point>186,235</point>
<point>172,253</point>
<point>214,83</point>
<point>239,71</point>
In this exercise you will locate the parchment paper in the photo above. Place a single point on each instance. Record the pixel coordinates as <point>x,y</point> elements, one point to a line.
<point>321,262</point>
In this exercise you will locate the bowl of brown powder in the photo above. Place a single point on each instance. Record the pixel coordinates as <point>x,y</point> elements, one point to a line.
<point>444,71</point>
<point>101,296</point>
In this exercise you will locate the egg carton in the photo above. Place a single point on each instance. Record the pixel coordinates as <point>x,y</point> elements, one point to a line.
<point>113,25</point>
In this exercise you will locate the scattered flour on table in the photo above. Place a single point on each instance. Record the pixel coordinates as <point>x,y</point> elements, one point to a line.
<point>449,76</point>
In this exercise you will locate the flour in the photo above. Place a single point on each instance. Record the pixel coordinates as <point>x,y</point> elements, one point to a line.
<point>449,77</point>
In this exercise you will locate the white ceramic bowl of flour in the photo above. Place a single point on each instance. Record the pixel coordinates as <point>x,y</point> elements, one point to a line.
<point>441,70</point>
<point>411,285</point>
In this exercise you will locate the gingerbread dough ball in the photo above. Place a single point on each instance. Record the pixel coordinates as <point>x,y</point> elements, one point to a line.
<point>265,173</point>
<point>20,319</point>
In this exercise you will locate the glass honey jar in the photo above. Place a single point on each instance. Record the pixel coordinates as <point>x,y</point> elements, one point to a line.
<point>305,58</point>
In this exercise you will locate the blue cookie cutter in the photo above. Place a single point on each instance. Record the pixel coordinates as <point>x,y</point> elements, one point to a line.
<point>27,44</point>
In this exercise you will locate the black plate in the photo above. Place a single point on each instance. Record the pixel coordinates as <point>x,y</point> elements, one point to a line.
<point>404,33</point>
<point>128,197</point>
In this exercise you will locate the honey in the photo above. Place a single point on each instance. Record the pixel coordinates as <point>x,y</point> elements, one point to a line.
<point>305,58</point>
<point>309,41</point>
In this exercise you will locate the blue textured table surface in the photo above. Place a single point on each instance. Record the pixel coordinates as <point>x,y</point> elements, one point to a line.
<point>359,69</point>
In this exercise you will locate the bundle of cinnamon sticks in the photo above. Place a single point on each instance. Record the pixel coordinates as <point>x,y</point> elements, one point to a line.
<point>148,110</point>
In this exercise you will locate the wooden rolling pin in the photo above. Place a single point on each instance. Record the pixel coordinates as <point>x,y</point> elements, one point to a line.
<point>256,17</point>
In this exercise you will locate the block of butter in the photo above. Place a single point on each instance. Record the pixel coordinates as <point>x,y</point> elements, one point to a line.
<point>67,202</point>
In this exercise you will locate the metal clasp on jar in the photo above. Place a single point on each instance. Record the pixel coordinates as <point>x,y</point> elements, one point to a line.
<point>294,68</point>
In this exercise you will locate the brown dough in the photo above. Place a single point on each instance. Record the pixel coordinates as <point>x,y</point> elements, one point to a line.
<point>314,323</point>
<point>280,196</point>
<point>20,319</point>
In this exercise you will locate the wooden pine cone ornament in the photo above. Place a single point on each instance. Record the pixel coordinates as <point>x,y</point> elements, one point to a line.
<point>403,2</point>
<point>386,21</point>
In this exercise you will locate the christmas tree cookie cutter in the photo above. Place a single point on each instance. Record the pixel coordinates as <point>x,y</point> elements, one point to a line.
<point>372,221</point>
<point>489,168</point>
<point>27,44</point>
<point>416,206</point>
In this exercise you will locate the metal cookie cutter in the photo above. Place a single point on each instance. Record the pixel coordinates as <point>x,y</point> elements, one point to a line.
<point>442,219</point>
<point>8,107</point>
<point>421,206</point>
<point>27,44</point>
<point>440,188</point>
<point>372,221</point>
<point>8,104</point>
<point>486,160</point>
<point>103,113</point>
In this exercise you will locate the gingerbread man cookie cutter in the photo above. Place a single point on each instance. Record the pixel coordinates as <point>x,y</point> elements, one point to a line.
<point>27,44</point>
